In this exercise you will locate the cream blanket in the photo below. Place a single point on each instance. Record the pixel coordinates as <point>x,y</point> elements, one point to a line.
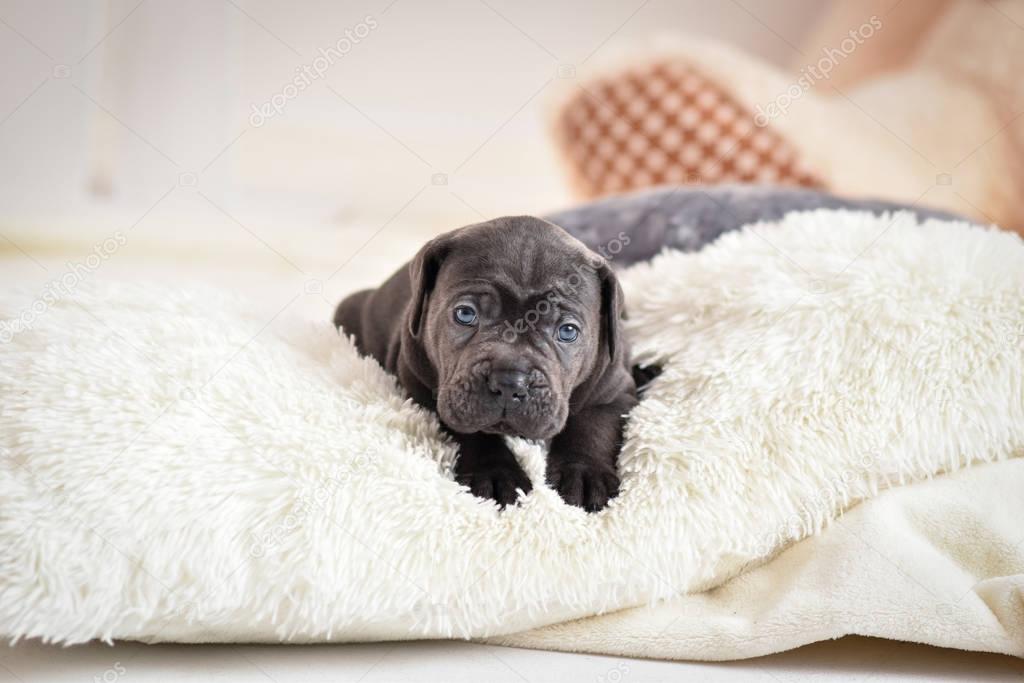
<point>176,469</point>
<point>939,562</point>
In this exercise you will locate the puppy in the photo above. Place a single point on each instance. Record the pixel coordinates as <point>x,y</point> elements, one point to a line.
<point>508,327</point>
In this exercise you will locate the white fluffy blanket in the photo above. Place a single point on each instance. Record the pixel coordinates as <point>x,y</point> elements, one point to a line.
<point>176,468</point>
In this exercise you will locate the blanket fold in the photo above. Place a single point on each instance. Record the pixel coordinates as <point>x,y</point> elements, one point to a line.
<point>935,562</point>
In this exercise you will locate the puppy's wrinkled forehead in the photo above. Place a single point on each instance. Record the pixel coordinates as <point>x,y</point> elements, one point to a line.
<point>521,254</point>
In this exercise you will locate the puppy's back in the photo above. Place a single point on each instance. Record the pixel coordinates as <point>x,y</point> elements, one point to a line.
<point>375,317</point>
<point>349,313</point>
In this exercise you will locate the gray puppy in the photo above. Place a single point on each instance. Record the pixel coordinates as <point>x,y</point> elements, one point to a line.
<point>508,327</point>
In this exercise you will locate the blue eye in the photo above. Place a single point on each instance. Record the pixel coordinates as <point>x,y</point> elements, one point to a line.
<point>465,315</point>
<point>568,333</point>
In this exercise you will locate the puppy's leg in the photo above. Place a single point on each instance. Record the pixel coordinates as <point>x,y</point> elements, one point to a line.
<point>490,470</point>
<point>583,457</point>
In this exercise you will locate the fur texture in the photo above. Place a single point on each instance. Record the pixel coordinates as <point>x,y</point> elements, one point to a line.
<point>177,472</point>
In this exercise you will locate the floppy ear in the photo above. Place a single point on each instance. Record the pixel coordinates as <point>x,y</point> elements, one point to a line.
<point>423,270</point>
<point>611,310</point>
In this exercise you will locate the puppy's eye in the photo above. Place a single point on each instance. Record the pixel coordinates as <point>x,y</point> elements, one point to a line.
<point>568,333</point>
<point>465,315</point>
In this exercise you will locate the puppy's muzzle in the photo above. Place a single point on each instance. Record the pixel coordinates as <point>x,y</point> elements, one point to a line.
<point>510,387</point>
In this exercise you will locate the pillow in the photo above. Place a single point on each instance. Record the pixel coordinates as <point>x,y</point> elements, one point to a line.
<point>179,467</point>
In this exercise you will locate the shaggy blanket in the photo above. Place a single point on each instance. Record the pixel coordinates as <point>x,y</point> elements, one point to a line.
<point>177,468</point>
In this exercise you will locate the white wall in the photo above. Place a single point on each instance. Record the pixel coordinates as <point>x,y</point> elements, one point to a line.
<point>110,104</point>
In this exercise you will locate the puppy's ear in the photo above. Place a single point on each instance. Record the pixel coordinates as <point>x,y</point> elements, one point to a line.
<point>611,310</point>
<point>423,270</point>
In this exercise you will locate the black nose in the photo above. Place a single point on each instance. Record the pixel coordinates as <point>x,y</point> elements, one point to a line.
<point>509,386</point>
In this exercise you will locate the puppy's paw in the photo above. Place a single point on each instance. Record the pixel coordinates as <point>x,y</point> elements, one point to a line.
<point>583,483</point>
<point>498,483</point>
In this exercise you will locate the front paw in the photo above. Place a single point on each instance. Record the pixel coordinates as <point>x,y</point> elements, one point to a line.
<point>495,482</point>
<point>588,484</point>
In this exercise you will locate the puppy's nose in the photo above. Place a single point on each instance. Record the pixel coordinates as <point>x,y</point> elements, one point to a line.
<point>509,386</point>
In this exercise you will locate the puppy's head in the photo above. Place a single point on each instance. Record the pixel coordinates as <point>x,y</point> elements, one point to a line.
<point>517,318</point>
